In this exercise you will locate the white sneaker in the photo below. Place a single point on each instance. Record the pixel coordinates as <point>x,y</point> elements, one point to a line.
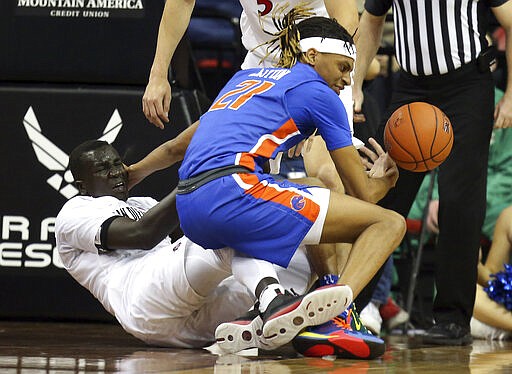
<point>480,330</point>
<point>370,316</point>
<point>401,317</point>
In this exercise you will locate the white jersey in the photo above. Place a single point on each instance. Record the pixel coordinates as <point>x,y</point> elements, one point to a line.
<point>147,290</point>
<point>256,18</point>
<point>77,232</point>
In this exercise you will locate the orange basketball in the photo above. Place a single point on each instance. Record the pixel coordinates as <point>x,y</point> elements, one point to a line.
<point>418,136</point>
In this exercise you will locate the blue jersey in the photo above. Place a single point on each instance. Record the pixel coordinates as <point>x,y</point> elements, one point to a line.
<point>261,112</point>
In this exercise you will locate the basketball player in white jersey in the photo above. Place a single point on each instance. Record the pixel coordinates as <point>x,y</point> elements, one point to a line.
<point>163,293</point>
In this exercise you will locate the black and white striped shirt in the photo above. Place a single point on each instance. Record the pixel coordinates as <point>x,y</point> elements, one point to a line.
<point>436,36</point>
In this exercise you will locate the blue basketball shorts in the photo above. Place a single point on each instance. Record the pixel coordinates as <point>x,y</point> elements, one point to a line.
<point>254,214</point>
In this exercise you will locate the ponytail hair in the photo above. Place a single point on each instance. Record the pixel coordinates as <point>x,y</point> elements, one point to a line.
<point>299,24</point>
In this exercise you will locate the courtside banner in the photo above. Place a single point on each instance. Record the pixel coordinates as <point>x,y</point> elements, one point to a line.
<point>41,124</point>
<point>81,8</point>
<point>78,41</point>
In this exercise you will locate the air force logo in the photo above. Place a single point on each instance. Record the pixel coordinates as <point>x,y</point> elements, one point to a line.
<point>54,159</point>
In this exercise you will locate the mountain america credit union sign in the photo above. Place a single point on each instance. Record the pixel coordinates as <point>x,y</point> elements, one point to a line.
<point>80,8</point>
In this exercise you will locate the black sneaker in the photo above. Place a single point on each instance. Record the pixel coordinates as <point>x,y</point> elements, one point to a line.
<point>242,333</point>
<point>287,314</point>
<point>445,333</point>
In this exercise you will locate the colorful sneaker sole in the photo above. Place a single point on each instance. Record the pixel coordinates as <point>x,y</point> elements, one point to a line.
<point>314,308</point>
<point>238,335</point>
<point>342,344</point>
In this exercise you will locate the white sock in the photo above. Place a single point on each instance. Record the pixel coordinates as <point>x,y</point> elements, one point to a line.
<point>269,294</point>
<point>250,271</point>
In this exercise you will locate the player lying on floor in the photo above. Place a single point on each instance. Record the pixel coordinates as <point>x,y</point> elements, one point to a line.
<point>226,200</point>
<point>117,247</point>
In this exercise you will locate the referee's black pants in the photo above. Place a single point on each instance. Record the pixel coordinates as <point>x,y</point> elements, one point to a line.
<point>466,96</point>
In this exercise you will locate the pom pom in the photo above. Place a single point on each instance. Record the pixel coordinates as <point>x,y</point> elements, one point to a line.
<point>499,289</point>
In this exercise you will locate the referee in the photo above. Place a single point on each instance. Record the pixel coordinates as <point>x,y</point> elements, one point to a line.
<point>444,60</point>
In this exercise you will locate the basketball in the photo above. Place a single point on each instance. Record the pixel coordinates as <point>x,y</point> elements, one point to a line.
<point>418,136</point>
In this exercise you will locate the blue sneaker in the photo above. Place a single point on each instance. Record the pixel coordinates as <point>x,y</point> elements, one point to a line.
<point>344,336</point>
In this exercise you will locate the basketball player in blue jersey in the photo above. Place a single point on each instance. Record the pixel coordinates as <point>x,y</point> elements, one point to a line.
<point>225,198</point>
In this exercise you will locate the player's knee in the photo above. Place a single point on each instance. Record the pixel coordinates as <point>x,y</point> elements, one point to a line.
<point>395,223</point>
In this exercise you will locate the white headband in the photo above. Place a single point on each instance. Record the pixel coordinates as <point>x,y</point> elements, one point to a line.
<point>328,45</point>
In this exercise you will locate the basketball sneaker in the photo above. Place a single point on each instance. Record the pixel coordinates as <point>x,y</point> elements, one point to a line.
<point>288,314</point>
<point>371,318</point>
<point>392,314</point>
<point>343,336</point>
<point>243,333</point>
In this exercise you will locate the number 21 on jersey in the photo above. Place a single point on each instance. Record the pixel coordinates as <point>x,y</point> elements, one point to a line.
<point>234,99</point>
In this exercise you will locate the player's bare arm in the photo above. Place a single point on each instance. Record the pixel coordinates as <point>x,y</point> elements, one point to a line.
<point>156,101</point>
<point>345,12</point>
<point>372,27</point>
<point>148,231</point>
<point>161,157</point>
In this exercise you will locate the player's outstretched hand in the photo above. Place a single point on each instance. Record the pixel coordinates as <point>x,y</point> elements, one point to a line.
<point>135,175</point>
<point>379,164</point>
<point>156,101</point>
<point>374,159</point>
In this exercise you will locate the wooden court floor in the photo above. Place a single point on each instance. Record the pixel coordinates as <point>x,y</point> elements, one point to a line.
<point>29,347</point>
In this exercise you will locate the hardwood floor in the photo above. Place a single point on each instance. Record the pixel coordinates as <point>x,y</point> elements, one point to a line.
<point>37,347</point>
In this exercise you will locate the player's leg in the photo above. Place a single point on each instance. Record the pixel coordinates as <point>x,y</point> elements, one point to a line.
<point>163,295</point>
<point>319,164</point>
<point>373,231</point>
<point>282,313</point>
<point>229,300</point>
<point>298,276</point>
<point>328,259</point>
<point>205,269</point>
<point>246,331</point>
<point>342,253</point>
